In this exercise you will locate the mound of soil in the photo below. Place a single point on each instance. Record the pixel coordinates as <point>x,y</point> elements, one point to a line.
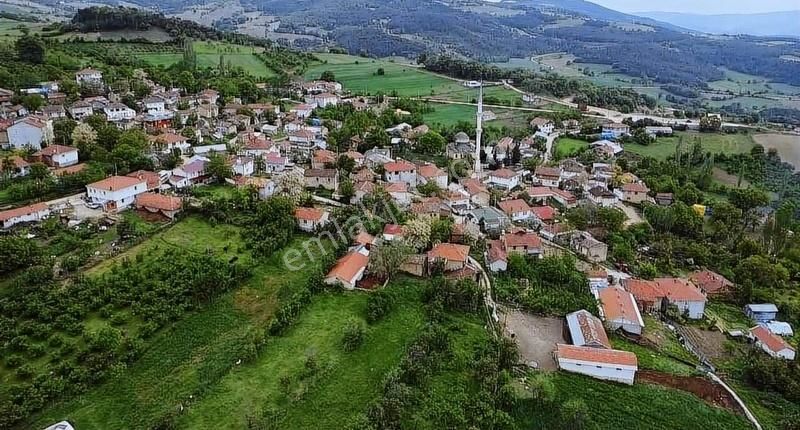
<point>704,388</point>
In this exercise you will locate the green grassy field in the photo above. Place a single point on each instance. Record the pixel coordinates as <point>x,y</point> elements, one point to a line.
<point>190,356</point>
<point>615,406</point>
<point>715,143</point>
<point>208,54</point>
<point>568,147</point>
<point>360,75</point>
<point>345,383</point>
<point>10,28</point>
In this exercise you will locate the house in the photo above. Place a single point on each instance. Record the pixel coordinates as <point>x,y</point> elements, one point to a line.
<point>452,256</point>
<point>431,173</point>
<point>491,219</point>
<point>586,329</point>
<point>496,256</point>
<point>168,206</point>
<point>309,219</point>
<point>325,178</point>
<point>265,187</point>
<point>664,199</point>
<point>602,197</point>
<point>458,202</point>
<point>619,311</point>
<point>478,193</point>
<point>89,76</point>
<point>762,312</point>
<point>614,130</point>
<point>80,110</point>
<point>503,148</point>
<point>392,231</point>
<point>398,191</point>
<point>711,283</point>
<point>606,364</point>
<point>522,242</point>
<point>274,163</point>
<point>18,166</point>
<point>168,142</point>
<point>607,148</point>
<point>6,96</point>
<point>256,145</point>
<point>355,156</point>
<point>116,192</point>
<point>302,139</point>
<point>779,328</point>
<point>506,179</point>
<point>542,125</point>
<point>349,269</point>
<point>243,165</point>
<point>191,173</point>
<point>681,293</point>
<point>322,100</point>
<point>598,279</point>
<point>154,105</point>
<point>118,112</point>
<point>590,248</point>
<point>771,343</point>
<point>635,192</point>
<point>54,111</point>
<point>654,131</point>
<point>556,231</point>
<point>516,209</point>
<point>152,179</point>
<point>322,158</point>
<point>377,157</point>
<point>31,213</point>
<point>649,298</point>
<point>366,240</point>
<point>543,214</point>
<point>547,176</point>
<point>400,171</point>
<point>302,111</point>
<point>30,132</point>
<point>543,194</point>
<point>430,207</point>
<point>57,156</point>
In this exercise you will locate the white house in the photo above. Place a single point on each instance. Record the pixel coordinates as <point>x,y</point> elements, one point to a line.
<point>302,111</point>
<point>618,309</point>
<point>504,178</point>
<point>243,166</point>
<point>322,100</point>
<point>30,132</point>
<point>761,312</point>
<point>517,210</point>
<point>598,279</point>
<point>308,219</point>
<point>89,76</point>
<point>31,213</point>
<point>400,171</point>
<point>543,125</point>
<point>349,269</point>
<point>771,343</point>
<point>615,130</point>
<point>606,364</point>
<point>116,112</point>
<point>432,173</point>
<point>154,105</point>
<point>547,176</point>
<point>116,192</point>
<point>683,294</point>
<point>80,110</point>
<point>58,156</point>
<point>602,196</point>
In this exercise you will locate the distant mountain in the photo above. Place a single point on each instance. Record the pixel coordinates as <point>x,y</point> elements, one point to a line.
<point>761,24</point>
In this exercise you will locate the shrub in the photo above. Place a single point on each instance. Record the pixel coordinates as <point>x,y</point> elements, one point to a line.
<point>25,371</point>
<point>13,361</point>
<point>379,304</point>
<point>354,334</point>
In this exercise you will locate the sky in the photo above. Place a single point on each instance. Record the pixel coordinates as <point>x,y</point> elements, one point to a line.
<point>701,6</point>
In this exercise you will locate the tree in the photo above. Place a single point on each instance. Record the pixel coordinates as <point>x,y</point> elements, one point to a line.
<point>30,49</point>
<point>347,190</point>
<point>84,137</point>
<point>417,233</point>
<point>32,102</point>
<point>62,131</point>
<point>291,184</point>
<point>218,167</point>
<point>380,71</point>
<point>710,123</point>
<point>758,270</point>
<point>431,143</point>
<point>385,261</point>
<point>327,76</point>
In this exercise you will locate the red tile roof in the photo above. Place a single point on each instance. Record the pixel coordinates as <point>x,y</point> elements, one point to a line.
<point>399,166</point>
<point>643,289</point>
<point>70,170</point>
<point>522,239</point>
<point>710,282</point>
<point>348,266</point>
<point>151,178</point>
<point>544,213</point>
<point>431,171</point>
<point>769,339</point>
<point>54,150</point>
<point>596,355</point>
<point>514,206</point>
<point>635,187</point>
<point>115,183</point>
<point>547,172</point>
<point>449,251</point>
<point>18,162</point>
<point>677,289</point>
<point>393,229</point>
<point>22,211</point>
<point>310,214</point>
<point>503,173</point>
<point>496,251</point>
<point>158,201</point>
<point>619,304</point>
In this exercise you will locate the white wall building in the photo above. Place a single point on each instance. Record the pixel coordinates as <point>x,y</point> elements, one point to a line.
<point>31,213</point>
<point>400,171</point>
<point>30,133</point>
<point>116,112</point>
<point>116,192</point>
<point>88,76</point>
<point>504,178</point>
<point>771,343</point>
<point>606,364</point>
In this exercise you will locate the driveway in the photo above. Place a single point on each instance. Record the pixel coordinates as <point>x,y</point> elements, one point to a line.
<point>536,337</point>
<point>631,213</point>
<point>76,205</point>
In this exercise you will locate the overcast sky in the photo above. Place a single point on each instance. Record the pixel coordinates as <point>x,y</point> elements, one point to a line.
<point>701,6</point>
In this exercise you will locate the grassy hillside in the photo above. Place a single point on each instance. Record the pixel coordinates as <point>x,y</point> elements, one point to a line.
<point>713,142</point>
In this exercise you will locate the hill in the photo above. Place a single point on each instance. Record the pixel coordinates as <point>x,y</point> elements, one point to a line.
<point>760,24</point>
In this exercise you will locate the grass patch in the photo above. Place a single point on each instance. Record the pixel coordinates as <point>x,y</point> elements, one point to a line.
<point>663,147</point>
<point>616,406</point>
<point>651,359</point>
<point>342,386</point>
<point>567,147</point>
<point>208,55</point>
<point>727,316</point>
<point>188,358</point>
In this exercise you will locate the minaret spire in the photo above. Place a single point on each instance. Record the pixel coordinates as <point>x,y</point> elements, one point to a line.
<point>478,132</point>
